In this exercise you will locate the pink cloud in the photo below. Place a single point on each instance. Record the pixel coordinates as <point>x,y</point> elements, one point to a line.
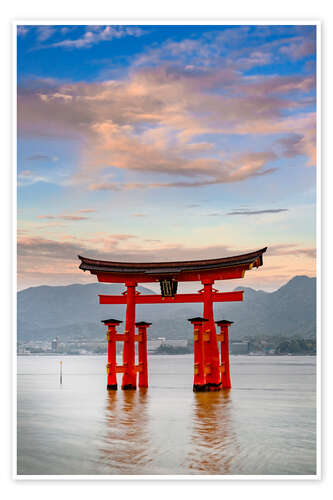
<point>63,217</point>
<point>50,260</point>
<point>299,48</point>
<point>151,122</point>
<point>294,249</point>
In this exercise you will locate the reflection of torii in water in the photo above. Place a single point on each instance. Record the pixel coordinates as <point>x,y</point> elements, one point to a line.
<point>169,274</point>
<point>214,440</point>
<point>127,446</point>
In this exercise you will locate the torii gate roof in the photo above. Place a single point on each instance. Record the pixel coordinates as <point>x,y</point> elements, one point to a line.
<point>190,270</point>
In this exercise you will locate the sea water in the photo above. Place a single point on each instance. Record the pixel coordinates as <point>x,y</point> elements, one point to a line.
<point>266,424</point>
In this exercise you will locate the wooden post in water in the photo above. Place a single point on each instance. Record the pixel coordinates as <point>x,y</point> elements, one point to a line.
<point>129,374</point>
<point>111,367</point>
<point>223,338</point>
<point>199,380</point>
<point>60,372</point>
<point>142,348</point>
<point>211,349</point>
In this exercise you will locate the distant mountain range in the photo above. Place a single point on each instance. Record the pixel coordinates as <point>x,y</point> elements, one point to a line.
<point>72,311</point>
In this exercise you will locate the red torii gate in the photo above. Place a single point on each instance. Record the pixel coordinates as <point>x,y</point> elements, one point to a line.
<point>209,372</point>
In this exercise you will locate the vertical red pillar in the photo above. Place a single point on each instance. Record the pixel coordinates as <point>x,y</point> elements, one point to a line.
<point>112,353</point>
<point>212,361</point>
<point>199,379</point>
<point>129,377</point>
<point>225,364</point>
<point>142,348</point>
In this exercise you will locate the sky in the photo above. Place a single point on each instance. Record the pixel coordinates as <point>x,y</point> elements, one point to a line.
<point>158,143</point>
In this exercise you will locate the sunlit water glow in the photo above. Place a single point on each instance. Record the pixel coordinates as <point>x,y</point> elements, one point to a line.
<point>266,424</point>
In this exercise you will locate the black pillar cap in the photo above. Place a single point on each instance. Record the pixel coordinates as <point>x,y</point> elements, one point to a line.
<point>197,319</point>
<point>142,323</point>
<point>107,321</point>
<point>224,322</point>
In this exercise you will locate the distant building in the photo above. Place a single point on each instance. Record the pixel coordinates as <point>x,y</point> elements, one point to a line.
<point>239,347</point>
<point>156,343</point>
<point>152,345</point>
<point>177,342</point>
<point>21,349</point>
<point>55,344</point>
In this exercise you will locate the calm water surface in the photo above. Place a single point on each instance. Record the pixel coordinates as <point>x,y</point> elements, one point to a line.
<point>266,424</point>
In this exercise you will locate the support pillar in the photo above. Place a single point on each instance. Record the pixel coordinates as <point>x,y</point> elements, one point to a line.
<point>111,366</point>
<point>223,337</point>
<point>142,348</point>
<point>211,350</point>
<point>129,377</point>
<point>199,379</point>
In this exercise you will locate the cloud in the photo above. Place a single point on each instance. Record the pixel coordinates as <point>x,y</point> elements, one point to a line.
<point>241,48</point>
<point>41,158</point>
<point>41,247</point>
<point>87,210</point>
<point>298,144</point>
<point>63,217</point>
<point>116,247</point>
<point>93,36</point>
<point>258,212</point>
<point>22,30</point>
<point>291,249</point>
<point>105,186</point>
<point>49,225</point>
<point>121,147</point>
<point>299,48</point>
<point>46,260</point>
<point>28,178</point>
<point>153,121</point>
<point>45,32</point>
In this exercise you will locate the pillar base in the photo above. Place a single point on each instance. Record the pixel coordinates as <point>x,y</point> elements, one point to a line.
<point>129,387</point>
<point>112,387</point>
<point>214,387</point>
<point>207,387</point>
<point>200,388</point>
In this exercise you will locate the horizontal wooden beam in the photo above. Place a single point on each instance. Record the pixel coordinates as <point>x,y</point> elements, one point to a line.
<point>123,337</point>
<point>214,274</point>
<point>122,368</point>
<point>220,337</point>
<point>177,299</point>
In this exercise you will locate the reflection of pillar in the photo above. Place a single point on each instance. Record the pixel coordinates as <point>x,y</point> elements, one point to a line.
<point>214,441</point>
<point>199,379</point>
<point>126,445</point>
<point>223,337</point>
<point>212,362</point>
<point>129,377</point>
<point>142,348</point>
<point>112,361</point>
